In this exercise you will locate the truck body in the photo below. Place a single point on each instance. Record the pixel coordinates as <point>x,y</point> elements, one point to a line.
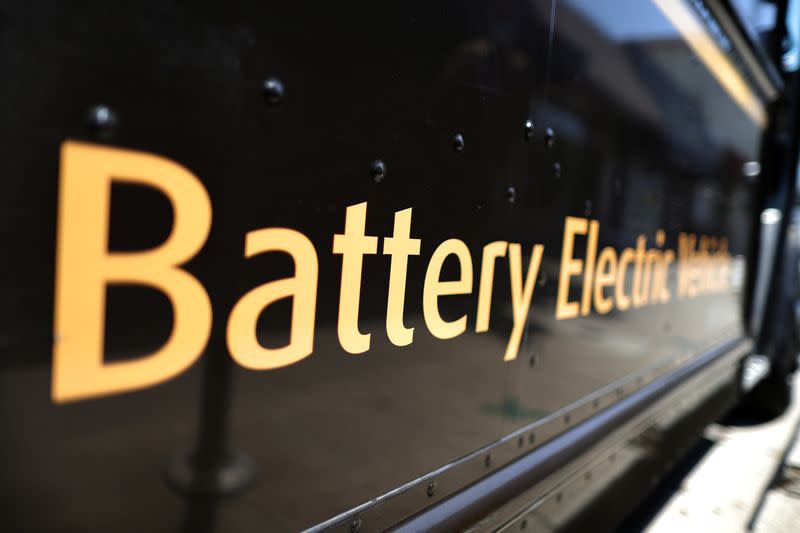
<point>354,266</point>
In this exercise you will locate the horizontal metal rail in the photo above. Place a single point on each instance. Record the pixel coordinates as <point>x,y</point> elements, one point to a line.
<point>476,501</point>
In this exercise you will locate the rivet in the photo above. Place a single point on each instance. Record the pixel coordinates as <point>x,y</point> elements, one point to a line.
<point>431,490</point>
<point>273,91</point>
<point>528,130</point>
<point>557,170</point>
<point>549,137</point>
<point>355,526</point>
<point>101,119</point>
<point>511,195</point>
<point>377,170</point>
<point>487,462</point>
<point>751,169</point>
<point>458,142</point>
<point>587,208</point>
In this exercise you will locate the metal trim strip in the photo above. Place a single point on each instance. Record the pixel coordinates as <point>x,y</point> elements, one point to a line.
<point>764,71</point>
<point>553,494</point>
<point>491,492</point>
<point>403,502</point>
<point>698,38</point>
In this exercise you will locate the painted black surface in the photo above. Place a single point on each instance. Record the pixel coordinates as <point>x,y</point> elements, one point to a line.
<point>644,136</point>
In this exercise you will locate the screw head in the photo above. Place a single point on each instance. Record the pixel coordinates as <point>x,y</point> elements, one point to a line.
<point>549,138</point>
<point>101,119</point>
<point>431,490</point>
<point>458,142</point>
<point>377,170</point>
<point>511,195</point>
<point>273,91</point>
<point>528,130</point>
<point>557,170</point>
<point>751,169</point>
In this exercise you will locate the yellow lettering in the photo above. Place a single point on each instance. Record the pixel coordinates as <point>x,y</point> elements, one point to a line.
<point>668,257</point>
<point>686,245</point>
<point>652,260</point>
<point>491,252</point>
<point>636,291</point>
<point>623,300</point>
<point>353,245</point>
<point>588,276</point>
<point>606,274</point>
<point>243,344</point>
<point>521,294</point>
<point>435,288</point>
<point>399,246</point>
<point>569,267</point>
<point>85,267</point>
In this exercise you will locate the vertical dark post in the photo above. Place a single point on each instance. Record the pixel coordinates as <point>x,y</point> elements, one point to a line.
<point>213,468</point>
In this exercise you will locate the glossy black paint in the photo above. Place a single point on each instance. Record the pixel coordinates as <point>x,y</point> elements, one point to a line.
<point>284,111</point>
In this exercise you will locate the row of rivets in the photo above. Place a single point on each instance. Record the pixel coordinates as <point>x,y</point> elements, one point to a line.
<point>549,134</point>
<point>620,392</point>
<point>101,119</point>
